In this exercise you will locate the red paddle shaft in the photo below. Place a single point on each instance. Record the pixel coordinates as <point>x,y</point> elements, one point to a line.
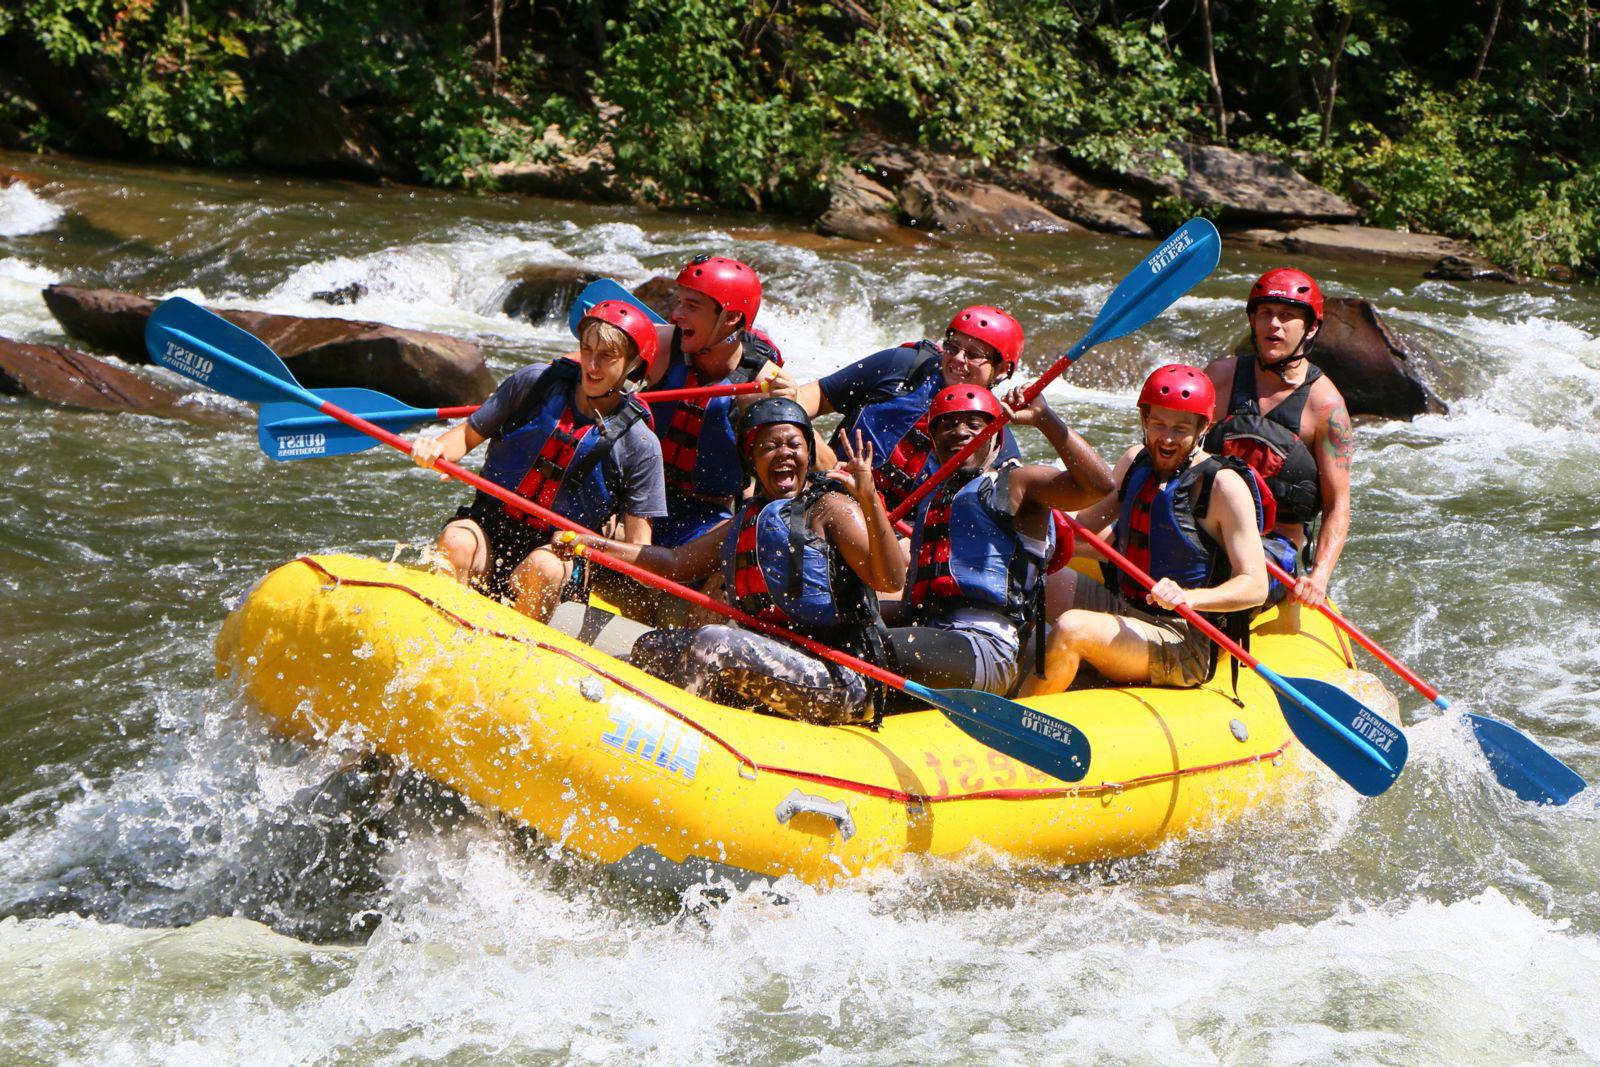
<point>656,396</point>
<point>639,574</point>
<point>1364,641</point>
<point>1131,570</point>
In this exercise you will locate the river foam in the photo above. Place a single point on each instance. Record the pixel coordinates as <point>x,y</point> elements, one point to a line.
<point>23,211</point>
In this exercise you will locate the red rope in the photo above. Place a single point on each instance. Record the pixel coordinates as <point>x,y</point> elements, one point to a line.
<point>818,778</point>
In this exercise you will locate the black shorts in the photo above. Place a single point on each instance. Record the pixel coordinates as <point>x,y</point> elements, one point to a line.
<point>510,541</point>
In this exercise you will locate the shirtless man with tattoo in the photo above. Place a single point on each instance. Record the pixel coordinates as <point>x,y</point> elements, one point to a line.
<point>1287,419</point>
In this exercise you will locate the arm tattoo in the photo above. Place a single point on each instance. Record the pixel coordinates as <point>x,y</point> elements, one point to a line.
<point>1339,442</point>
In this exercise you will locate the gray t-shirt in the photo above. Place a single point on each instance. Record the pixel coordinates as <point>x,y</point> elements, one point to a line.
<point>633,469</point>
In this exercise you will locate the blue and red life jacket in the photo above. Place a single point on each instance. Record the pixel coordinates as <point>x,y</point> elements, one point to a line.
<point>698,447</point>
<point>779,569</point>
<point>544,454</point>
<point>1158,525</point>
<point>965,550</point>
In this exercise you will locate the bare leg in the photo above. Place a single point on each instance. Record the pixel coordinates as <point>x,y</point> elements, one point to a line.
<point>466,547</point>
<point>537,583</point>
<point>1109,644</point>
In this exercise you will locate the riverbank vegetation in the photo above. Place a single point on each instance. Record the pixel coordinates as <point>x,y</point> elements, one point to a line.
<point>1478,122</point>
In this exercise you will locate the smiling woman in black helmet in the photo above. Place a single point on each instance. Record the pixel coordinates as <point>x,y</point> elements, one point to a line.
<point>806,552</point>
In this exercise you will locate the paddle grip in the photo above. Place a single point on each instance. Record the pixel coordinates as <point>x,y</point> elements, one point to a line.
<point>1366,642</point>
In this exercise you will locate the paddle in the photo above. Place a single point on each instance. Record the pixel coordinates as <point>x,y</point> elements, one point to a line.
<point>199,345</point>
<point>1360,746</point>
<point>287,433</point>
<point>606,289</point>
<point>1518,761</point>
<point>1172,270</point>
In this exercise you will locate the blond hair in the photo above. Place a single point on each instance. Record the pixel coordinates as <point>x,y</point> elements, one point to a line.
<point>607,340</point>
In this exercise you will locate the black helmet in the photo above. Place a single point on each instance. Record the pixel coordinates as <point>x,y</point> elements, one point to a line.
<point>769,411</point>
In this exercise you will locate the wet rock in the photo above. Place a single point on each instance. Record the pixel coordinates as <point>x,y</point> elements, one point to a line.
<point>345,294</point>
<point>325,137</point>
<point>1242,187</point>
<point>1461,269</point>
<point>58,375</point>
<point>420,368</point>
<point>565,172</point>
<point>1378,371</point>
<point>542,292</point>
<point>959,205</point>
<point>12,176</point>
<point>1361,243</point>
<point>859,208</point>
<point>890,164</point>
<point>657,294</point>
<point>1074,197</point>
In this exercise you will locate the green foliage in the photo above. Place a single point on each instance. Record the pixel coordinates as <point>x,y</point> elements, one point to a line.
<point>1437,123</point>
<point>697,115</point>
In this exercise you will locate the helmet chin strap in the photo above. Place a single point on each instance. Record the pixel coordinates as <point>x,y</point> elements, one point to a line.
<point>1281,368</point>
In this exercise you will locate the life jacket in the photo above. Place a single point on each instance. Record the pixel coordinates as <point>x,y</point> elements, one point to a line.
<point>1271,443</point>
<point>543,454</point>
<point>898,426</point>
<point>777,568</point>
<point>965,550</point>
<point>1158,526</point>
<point>698,449</point>
<point>1158,529</point>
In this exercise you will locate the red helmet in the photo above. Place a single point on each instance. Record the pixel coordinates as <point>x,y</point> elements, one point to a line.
<point>960,398</point>
<point>1181,388</point>
<point>992,326</point>
<point>631,321</point>
<point>1285,285</point>
<point>730,283</point>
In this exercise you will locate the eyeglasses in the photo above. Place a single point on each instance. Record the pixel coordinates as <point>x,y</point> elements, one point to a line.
<point>969,350</point>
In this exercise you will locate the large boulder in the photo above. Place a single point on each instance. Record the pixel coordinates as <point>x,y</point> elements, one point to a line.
<point>417,367</point>
<point>57,375</point>
<point>541,292</point>
<point>1074,197</point>
<point>324,136</point>
<point>1241,187</point>
<point>1360,243</point>
<point>656,293</point>
<point>860,209</point>
<point>1378,371</point>
<point>959,205</point>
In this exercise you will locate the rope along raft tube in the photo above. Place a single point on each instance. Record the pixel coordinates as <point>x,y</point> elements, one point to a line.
<point>616,763</point>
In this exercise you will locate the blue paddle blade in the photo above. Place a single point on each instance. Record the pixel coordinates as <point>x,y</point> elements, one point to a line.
<point>1171,270</point>
<point>188,339</point>
<point>289,431</point>
<point>602,290</point>
<point>1057,748</point>
<point>1522,766</point>
<point>1360,745</point>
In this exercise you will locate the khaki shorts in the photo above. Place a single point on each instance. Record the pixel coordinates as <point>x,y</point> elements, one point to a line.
<point>1180,655</point>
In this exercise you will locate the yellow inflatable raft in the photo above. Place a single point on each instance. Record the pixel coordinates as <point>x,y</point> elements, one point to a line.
<point>625,768</point>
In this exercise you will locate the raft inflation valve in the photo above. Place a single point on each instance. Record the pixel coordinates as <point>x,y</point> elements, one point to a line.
<point>1241,732</point>
<point>798,803</point>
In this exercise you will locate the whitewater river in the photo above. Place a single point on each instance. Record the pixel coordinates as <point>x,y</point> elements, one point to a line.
<point>180,885</point>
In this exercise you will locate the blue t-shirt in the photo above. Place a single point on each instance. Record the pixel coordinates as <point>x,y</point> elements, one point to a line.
<point>636,457</point>
<point>883,376</point>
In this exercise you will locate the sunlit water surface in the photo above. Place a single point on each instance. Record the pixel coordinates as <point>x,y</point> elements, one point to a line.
<point>178,884</point>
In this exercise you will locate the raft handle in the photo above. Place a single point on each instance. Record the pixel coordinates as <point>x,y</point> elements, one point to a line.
<point>798,803</point>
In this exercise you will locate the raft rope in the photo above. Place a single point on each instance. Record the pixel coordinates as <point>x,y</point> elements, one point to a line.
<point>864,788</point>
